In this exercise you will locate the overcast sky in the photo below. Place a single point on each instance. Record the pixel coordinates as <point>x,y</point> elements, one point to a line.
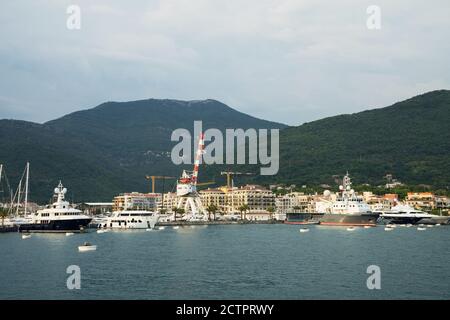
<point>290,61</point>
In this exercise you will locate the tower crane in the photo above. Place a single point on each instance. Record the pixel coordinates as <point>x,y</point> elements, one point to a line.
<point>153,178</point>
<point>230,175</point>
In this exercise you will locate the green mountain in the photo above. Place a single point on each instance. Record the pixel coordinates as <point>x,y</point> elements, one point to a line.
<point>103,151</point>
<point>410,139</point>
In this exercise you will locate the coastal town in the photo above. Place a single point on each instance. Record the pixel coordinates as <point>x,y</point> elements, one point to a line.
<point>261,203</point>
<point>254,202</point>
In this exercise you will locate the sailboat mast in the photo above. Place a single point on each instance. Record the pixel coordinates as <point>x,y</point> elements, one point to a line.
<point>26,187</point>
<point>18,196</point>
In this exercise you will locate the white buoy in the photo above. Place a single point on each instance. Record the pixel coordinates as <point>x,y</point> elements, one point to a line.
<point>304,230</point>
<point>26,236</point>
<point>69,234</point>
<point>421,228</point>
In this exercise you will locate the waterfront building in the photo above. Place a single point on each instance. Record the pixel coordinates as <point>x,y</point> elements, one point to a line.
<point>256,197</point>
<point>442,203</point>
<point>92,208</point>
<point>213,196</point>
<point>170,201</point>
<point>136,201</point>
<point>377,203</point>
<point>421,200</point>
<point>294,202</point>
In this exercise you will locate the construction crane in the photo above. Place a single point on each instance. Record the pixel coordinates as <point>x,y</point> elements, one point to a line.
<point>230,175</point>
<point>187,187</point>
<point>205,183</point>
<point>153,178</point>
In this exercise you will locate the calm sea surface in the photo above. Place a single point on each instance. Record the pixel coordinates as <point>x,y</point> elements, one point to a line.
<point>230,262</point>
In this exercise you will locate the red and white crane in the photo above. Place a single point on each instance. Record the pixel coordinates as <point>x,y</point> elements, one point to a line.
<point>189,199</point>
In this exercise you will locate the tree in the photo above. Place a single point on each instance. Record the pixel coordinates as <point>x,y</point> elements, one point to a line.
<point>3,215</point>
<point>243,209</point>
<point>177,210</point>
<point>212,209</point>
<point>271,210</point>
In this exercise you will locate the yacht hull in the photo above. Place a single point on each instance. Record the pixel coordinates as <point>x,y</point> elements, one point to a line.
<point>435,220</point>
<point>349,219</point>
<point>56,226</point>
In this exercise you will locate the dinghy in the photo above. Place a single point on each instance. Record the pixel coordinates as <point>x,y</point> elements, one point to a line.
<point>87,247</point>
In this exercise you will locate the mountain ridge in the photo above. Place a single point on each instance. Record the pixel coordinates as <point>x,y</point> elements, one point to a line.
<point>108,149</point>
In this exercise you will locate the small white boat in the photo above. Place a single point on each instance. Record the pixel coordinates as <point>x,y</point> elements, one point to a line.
<point>421,228</point>
<point>437,225</point>
<point>69,234</point>
<point>26,236</point>
<point>367,227</point>
<point>304,230</point>
<point>430,226</point>
<point>421,225</point>
<point>87,247</point>
<point>102,230</point>
<point>149,229</point>
<point>350,228</point>
<point>388,228</point>
<point>176,227</point>
<point>409,225</point>
<point>161,228</point>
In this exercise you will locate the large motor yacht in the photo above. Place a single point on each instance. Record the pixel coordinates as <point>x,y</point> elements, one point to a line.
<point>349,209</point>
<point>404,214</point>
<point>57,217</point>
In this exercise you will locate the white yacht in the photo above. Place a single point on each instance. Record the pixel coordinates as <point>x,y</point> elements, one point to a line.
<point>57,217</point>
<point>348,209</point>
<point>131,219</point>
<point>404,214</point>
